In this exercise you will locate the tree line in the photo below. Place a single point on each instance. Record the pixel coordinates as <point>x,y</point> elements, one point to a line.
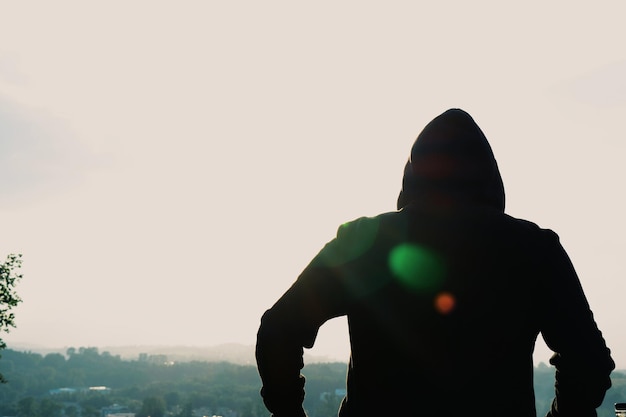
<point>152,386</point>
<point>149,386</point>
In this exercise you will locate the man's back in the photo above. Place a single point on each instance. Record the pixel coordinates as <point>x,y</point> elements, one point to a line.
<point>464,336</point>
<point>444,297</point>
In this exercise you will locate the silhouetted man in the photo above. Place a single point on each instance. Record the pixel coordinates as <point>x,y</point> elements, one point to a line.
<point>444,298</point>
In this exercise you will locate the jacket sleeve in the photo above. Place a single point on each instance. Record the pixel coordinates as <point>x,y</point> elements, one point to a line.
<point>318,295</point>
<point>286,328</point>
<point>582,360</point>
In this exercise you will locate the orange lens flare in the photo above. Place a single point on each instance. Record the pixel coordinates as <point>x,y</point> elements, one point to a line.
<point>444,303</point>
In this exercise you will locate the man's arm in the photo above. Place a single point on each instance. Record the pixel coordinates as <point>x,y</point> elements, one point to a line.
<point>323,291</point>
<point>582,360</point>
<point>279,358</point>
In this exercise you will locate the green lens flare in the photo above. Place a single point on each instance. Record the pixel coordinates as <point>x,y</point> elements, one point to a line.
<point>416,267</point>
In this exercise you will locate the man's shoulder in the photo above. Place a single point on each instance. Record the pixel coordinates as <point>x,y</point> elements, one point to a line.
<point>531,228</point>
<point>366,222</point>
<point>370,225</point>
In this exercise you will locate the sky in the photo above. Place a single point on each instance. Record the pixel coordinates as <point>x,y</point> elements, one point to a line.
<point>167,169</point>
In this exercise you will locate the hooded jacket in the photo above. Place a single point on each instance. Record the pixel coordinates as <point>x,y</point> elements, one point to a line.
<point>444,299</point>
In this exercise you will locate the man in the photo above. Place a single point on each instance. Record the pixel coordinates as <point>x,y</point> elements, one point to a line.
<point>444,298</point>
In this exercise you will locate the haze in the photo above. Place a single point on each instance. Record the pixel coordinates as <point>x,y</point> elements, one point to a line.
<point>167,169</point>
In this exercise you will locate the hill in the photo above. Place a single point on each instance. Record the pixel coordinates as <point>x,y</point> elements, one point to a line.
<point>236,353</point>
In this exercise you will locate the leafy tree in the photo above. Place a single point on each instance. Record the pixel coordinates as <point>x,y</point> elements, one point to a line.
<point>90,411</point>
<point>172,399</point>
<point>53,360</point>
<point>8,297</point>
<point>153,407</point>
<point>50,408</point>
<point>27,407</point>
<point>71,411</point>
<point>187,410</point>
<point>328,406</point>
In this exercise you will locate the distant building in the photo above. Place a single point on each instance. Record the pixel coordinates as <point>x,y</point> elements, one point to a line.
<point>339,392</point>
<point>116,410</point>
<point>155,359</point>
<point>59,391</point>
<point>82,390</point>
<point>101,389</point>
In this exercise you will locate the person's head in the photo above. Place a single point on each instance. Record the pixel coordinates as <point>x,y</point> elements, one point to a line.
<point>452,157</point>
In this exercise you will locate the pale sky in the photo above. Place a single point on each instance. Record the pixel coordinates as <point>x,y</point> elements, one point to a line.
<point>167,169</point>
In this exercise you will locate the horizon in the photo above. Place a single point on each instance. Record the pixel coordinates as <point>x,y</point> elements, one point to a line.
<point>167,171</point>
<point>244,356</point>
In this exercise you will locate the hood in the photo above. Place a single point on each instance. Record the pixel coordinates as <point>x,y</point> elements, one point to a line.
<point>451,158</point>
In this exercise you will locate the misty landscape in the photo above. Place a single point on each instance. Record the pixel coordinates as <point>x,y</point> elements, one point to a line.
<point>184,382</point>
<point>168,169</point>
